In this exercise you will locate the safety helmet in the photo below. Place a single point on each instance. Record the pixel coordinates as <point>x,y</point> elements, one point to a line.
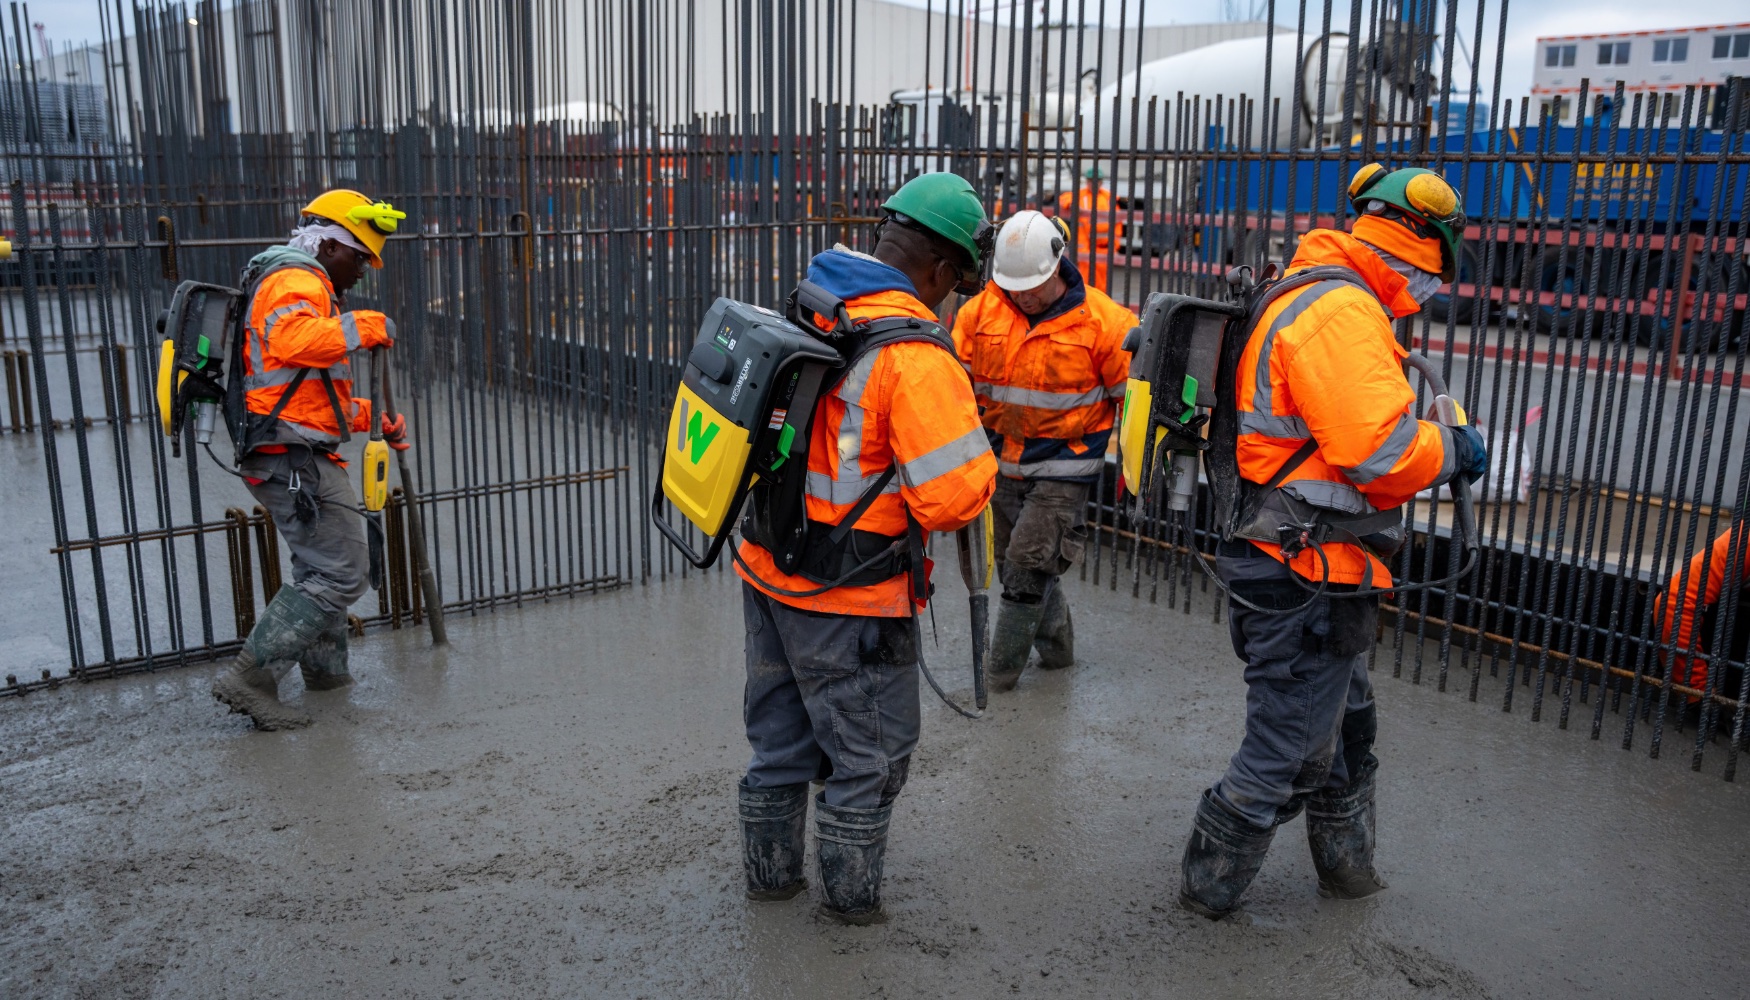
<point>1029,246</point>
<point>371,222</point>
<point>1094,173</point>
<point>945,204</point>
<point>1420,200</point>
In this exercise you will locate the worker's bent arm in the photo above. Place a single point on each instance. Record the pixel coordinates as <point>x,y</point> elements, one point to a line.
<point>1350,389</point>
<point>966,330</point>
<point>299,335</point>
<point>946,470</point>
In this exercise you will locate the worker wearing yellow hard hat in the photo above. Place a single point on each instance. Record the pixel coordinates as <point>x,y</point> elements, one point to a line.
<point>298,391</point>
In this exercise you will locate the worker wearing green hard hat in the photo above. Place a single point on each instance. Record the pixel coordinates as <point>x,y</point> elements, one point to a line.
<point>945,205</point>
<point>832,585</point>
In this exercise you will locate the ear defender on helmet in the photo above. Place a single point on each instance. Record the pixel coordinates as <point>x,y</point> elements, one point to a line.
<point>1364,179</point>
<point>1062,241</point>
<point>382,216</point>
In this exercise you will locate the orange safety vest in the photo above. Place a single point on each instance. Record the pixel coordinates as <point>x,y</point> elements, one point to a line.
<point>1049,392</point>
<point>1700,591</point>
<point>295,326</point>
<point>1092,220</point>
<point>905,402</point>
<point>1322,363</point>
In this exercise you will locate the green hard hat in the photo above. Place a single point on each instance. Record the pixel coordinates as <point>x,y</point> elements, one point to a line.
<point>1423,194</point>
<point>946,205</point>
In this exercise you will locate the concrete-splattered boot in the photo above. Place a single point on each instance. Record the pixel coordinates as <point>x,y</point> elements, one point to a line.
<point>1056,638</point>
<point>290,622</point>
<point>1221,859</point>
<point>851,844</point>
<point>1011,642</point>
<point>1339,829</point>
<point>323,662</point>
<point>773,824</point>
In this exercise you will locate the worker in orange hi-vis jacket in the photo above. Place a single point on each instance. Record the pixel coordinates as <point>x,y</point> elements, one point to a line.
<point>298,388</point>
<point>1088,210</point>
<point>1047,361</point>
<point>1688,610</point>
<point>832,667</point>
<point>1326,426</point>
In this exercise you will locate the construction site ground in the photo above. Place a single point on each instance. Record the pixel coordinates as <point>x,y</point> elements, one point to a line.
<point>547,808</point>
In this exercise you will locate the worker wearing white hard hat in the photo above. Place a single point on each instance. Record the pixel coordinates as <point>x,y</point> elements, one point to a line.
<point>1048,367</point>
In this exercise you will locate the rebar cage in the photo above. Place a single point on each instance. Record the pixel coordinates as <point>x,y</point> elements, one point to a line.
<point>583,177</point>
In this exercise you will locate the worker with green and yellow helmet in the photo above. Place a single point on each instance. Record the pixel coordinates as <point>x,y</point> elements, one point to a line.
<point>896,449</point>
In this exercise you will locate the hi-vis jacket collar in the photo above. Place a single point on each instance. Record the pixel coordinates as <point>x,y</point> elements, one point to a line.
<point>1328,246</point>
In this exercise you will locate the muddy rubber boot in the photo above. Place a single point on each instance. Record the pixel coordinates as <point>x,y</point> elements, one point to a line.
<point>253,690</point>
<point>323,662</point>
<point>1339,829</point>
<point>289,623</point>
<point>773,824</point>
<point>1056,638</point>
<point>1011,643</point>
<point>1221,859</point>
<point>851,844</point>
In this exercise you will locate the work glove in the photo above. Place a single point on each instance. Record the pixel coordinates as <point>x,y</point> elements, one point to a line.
<point>1472,458</point>
<point>395,432</point>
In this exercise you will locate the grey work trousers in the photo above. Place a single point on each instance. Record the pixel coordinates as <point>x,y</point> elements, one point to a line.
<point>330,560</point>
<point>1041,530</point>
<point>829,696</point>
<point>1306,672</point>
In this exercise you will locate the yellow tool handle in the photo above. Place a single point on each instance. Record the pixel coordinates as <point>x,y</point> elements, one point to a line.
<point>376,475</point>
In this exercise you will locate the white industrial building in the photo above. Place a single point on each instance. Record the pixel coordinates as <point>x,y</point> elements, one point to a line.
<point>1662,62</point>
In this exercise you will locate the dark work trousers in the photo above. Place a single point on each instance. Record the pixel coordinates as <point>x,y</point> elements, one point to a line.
<point>1041,528</point>
<point>330,560</point>
<point>829,696</point>
<point>1305,672</point>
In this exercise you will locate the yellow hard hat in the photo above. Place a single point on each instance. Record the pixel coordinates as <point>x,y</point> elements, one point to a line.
<point>371,222</point>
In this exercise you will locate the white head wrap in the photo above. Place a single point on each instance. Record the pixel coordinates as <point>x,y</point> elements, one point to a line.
<point>309,237</point>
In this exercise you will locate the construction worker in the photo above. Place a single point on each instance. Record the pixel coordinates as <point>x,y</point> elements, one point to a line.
<point>832,683</point>
<point>1325,431</point>
<point>301,407</point>
<point>1047,365</point>
<point>1701,582</point>
<point>1089,212</point>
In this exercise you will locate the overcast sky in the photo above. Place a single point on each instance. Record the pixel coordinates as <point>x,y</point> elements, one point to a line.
<point>73,20</point>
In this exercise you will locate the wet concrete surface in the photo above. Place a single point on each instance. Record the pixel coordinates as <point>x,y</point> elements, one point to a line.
<point>548,809</point>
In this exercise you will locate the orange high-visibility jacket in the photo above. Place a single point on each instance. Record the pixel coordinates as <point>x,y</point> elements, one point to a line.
<point>1322,363</point>
<point>1701,591</point>
<point>906,402</point>
<point>1050,387</point>
<point>295,324</point>
<point>1092,219</point>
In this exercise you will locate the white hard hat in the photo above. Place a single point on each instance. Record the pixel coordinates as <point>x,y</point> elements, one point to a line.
<point>1028,248</point>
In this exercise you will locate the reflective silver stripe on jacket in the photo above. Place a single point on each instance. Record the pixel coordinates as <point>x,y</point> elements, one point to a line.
<point>257,344</point>
<point>1269,425</point>
<point>1340,497</point>
<point>1052,467</point>
<point>284,376</point>
<point>850,482</point>
<point>1387,455</point>
<point>941,460</point>
<point>843,491</point>
<point>1039,399</point>
<point>349,328</point>
<point>1302,301</point>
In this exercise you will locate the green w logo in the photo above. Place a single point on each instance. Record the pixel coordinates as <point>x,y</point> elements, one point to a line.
<point>694,434</point>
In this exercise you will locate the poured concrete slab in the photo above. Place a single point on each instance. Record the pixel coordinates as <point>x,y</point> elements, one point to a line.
<point>547,809</point>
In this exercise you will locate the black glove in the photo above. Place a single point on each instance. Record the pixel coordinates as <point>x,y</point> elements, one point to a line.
<point>1472,453</point>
